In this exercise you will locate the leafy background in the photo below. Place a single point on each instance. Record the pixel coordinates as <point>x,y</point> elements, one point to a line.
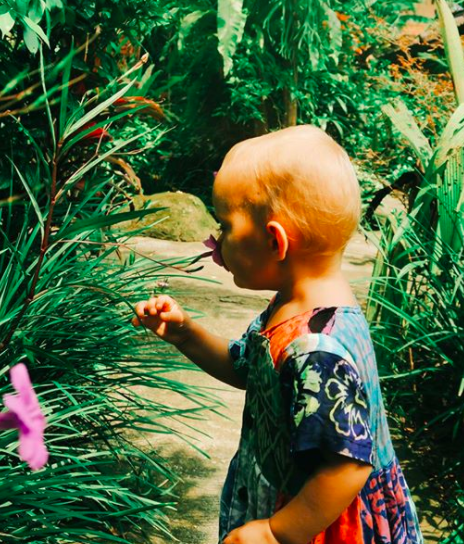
<point>106,99</point>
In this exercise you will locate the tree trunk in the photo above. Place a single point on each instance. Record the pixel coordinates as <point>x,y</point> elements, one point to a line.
<point>262,126</point>
<point>290,103</point>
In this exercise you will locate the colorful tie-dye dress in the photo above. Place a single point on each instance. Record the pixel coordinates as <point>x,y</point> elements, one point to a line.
<point>312,386</point>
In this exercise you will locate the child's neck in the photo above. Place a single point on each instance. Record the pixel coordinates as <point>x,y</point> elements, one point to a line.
<point>316,292</point>
<point>307,292</point>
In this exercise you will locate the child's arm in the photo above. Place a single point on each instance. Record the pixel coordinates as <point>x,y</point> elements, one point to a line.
<point>320,502</point>
<point>169,321</point>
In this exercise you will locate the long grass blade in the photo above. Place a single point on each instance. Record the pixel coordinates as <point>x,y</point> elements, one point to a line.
<point>453,47</point>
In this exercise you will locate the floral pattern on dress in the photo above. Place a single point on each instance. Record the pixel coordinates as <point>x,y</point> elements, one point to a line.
<point>329,407</point>
<point>311,380</point>
<point>345,389</point>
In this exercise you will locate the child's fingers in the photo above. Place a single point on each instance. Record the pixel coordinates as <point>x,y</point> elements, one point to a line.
<point>169,310</point>
<point>163,307</point>
<point>141,308</point>
<point>151,306</point>
<point>164,303</point>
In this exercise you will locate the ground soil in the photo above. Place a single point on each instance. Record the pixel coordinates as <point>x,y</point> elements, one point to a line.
<point>227,310</point>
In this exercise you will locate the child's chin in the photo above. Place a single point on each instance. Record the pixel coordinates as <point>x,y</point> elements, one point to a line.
<point>240,282</point>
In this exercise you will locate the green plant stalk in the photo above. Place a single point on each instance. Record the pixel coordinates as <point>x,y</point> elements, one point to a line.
<point>43,249</point>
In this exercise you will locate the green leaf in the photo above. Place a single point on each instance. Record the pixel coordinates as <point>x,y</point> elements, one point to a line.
<point>54,4</point>
<point>81,135</point>
<point>461,387</point>
<point>186,25</point>
<point>36,28</point>
<point>453,47</point>
<point>15,81</point>
<point>335,32</point>
<point>404,122</point>
<point>6,23</point>
<point>36,11</point>
<point>231,19</point>
<point>94,223</point>
<point>31,40</point>
<point>450,191</point>
<point>47,102</point>
<point>77,175</point>
<point>65,91</point>
<point>89,116</point>
<point>408,268</point>
<point>31,197</point>
<point>451,139</point>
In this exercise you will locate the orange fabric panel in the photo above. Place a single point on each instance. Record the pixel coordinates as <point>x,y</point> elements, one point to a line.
<point>347,529</point>
<point>281,335</point>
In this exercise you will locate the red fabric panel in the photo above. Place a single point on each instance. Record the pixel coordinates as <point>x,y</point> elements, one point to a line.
<point>347,529</point>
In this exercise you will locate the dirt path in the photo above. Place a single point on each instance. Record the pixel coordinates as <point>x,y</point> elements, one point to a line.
<point>227,311</point>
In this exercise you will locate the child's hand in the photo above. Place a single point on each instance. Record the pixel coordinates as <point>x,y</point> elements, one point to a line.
<point>254,532</point>
<point>164,317</point>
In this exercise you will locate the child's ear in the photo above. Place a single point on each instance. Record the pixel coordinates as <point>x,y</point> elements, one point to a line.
<point>279,239</point>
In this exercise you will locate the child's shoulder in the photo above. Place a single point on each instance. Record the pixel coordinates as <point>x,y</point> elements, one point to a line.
<point>316,330</point>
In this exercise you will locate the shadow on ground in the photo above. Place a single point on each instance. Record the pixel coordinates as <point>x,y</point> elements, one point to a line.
<point>196,504</point>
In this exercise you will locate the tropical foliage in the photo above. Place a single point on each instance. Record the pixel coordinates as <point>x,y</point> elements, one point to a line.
<point>84,89</point>
<point>417,297</point>
<point>69,279</point>
<point>271,64</point>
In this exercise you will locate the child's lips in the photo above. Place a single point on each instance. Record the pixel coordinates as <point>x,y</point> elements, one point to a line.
<point>213,244</point>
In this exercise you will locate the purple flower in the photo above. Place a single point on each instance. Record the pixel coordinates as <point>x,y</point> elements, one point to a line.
<point>25,415</point>
<point>213,244</point>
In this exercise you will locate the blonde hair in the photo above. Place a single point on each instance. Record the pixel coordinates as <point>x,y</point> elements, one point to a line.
<point>302,178</point>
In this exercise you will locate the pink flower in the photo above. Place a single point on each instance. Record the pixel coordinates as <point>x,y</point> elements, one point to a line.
<point>213,244</point>
<point>25,415</point>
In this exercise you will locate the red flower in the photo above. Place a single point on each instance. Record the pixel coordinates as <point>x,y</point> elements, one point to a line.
<point>98,133</point>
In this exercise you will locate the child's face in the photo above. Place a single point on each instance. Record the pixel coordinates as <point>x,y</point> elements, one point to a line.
<point>244,242</point>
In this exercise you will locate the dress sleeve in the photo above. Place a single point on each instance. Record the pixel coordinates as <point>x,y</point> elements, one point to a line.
<point>238,349</point>
<point>238,352</point>
<point>328,405</point>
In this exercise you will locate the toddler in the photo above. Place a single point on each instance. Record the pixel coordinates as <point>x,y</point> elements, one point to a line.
<point>315,463</point>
